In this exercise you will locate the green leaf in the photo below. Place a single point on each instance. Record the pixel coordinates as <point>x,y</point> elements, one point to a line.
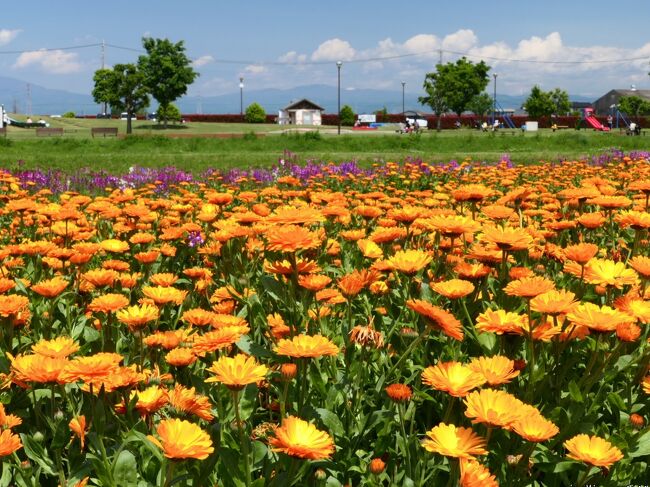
<point>487,341</point>
<point>125,472</point>
<point>332,421</point>
<point>249,347</point>
<point>642,446</point>
<point>616,401</point>
<point>574,391</point>
<point>623,362</point>
<point>36,452</point>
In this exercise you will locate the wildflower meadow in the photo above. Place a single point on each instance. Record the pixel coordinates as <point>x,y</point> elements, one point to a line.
<point>409,324</point>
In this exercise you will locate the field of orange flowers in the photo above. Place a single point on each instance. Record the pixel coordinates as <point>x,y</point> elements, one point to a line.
<point>415,325</point>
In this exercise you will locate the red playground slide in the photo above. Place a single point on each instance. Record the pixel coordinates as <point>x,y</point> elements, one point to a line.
<point>593,121</point>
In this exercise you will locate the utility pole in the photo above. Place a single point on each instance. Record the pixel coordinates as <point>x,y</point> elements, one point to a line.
<point>103,67</point>
<point>439,56</point>
<point>29,99</point>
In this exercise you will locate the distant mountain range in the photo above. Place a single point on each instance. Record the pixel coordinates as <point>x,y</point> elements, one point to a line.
<point>14,95</point>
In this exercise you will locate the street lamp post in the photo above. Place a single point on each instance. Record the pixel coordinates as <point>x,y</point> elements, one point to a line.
<point>241,96</point>
<point>403,85</point>
<point>338,67</point>
<point>494,101</point>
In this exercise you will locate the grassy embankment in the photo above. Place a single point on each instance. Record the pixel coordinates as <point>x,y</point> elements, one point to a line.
<point>76,149</point>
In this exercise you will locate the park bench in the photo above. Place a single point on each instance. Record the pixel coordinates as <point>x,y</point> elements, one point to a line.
<point>49,131</point>
<point>104,131</point>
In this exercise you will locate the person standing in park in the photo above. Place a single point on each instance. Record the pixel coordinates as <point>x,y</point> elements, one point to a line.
<point>610,121</point>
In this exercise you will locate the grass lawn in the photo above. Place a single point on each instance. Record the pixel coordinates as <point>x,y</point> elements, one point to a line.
<point>152,148</point>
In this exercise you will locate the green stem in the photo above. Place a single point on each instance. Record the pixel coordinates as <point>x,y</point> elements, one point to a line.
<point>400,411</point>
<point>243,440</point>
<point>408,350</point>
<point>169,472</point>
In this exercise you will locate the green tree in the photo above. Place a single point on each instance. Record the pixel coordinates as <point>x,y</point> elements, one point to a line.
<point>539,103</point>
<point>171,113</point>
<point>124,88</point>
<point>167,70</point>
<point>459,82</point>
<point>560,99</point>
<point>481,104</point>
<point>435,99</point>
<point>255,113</point>
<point>382,115</point>
<point>347,115</point>
<point>634,106</point>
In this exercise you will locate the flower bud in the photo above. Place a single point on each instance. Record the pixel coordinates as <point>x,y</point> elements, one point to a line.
<point>377,466</point>
<point>637,420</point>
<point>288,371</point>
<point>320,474</point>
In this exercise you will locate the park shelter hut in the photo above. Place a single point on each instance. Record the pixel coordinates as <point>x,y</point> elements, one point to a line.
<point>610,100</point>
<point>301,112</point>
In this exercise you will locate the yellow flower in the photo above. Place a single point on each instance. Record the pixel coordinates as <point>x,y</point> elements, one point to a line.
<point>452,441</point>
<point>181,439</point>
<point>235,372</point>
<point>592,450</point>
<point>300,439</point>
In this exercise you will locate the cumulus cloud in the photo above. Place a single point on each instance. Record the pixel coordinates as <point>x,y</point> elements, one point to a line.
<point>54,62</point>
<point>8,35</point>
<point>202,61</point>
<point>334,50</point>
<point>292,57</point>
<point>255,69</point>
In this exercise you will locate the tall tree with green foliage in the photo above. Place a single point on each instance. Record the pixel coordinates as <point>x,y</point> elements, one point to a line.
<point>255,113</point>
<point>435,99</point>
<point>539,103</point>
<point>634,106</point>
<point>481,104</point>
<point>124,88</point>
<point>459,82</point>
<point>347,115</point>
<point>167,70</point>
<point>560,99</point>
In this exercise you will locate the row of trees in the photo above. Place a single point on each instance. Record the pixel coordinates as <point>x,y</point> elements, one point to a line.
<point>164,72</point>
<point>460,86</point>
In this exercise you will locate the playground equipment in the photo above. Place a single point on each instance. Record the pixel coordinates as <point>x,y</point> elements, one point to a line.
<point>504,115</point>
<point>7,120</point>
<point>4,120</point>
<point>590,119</point>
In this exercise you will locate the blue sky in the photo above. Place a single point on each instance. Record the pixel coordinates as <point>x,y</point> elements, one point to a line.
<point>291,43</point>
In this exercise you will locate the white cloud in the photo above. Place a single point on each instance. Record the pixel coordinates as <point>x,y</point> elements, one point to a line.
<point>461,40</point>
<point>55,62</point>
<point>334,50</point>
<point>8,35</point>
<point>292,57</point>
<point>202,61</point>
<point>255,69</point>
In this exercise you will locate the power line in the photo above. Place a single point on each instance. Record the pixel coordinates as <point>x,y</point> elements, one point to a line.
<point>438,51</point>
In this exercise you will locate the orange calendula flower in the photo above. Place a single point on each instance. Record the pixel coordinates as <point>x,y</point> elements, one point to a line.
<point>453,441</point>
<point>181,439</point>
<point>113,245</point>
<point>108,303</point>
<point>50,288</point>
<point>473,474</point>
<point>301,439</point>
<point>453,288</point>
<point>529,287</point>
<point>218,339</point>
<point>164,295</point>
<point>136,317</point>
<point>78,427</point>
<point>598,318</point>
<point>496,370</point>
<point>606,272</point>
<point>500,322</point>
<point>59,347</point>
<point>149,401</point>
<point>409,261</point>
<point>370,249</point>
<point>238,371</point>
<point>592,450</point>
<point>399,392</point>
<point>452,377</point>
<point>180,357</point>
<point>9,443</point>
<point>92,368</point>
<point>306,346</point>
<point>447,322</point>
<point>38,368</point>
<point>646,384</point>
<point>641,264</point>
<point>534,428</point>
<point>188,401</point>
<point>100,277</point>
<point>314,282</point>
<point>507,238</point>
<point>12,304</point>
<point>554,302</point>
<point>291,238</point>
<point>492,407</point>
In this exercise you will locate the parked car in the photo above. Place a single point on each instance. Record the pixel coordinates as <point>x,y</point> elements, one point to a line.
<point>125,116</point>
<point>103,115</point>
<point>152,116</point>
